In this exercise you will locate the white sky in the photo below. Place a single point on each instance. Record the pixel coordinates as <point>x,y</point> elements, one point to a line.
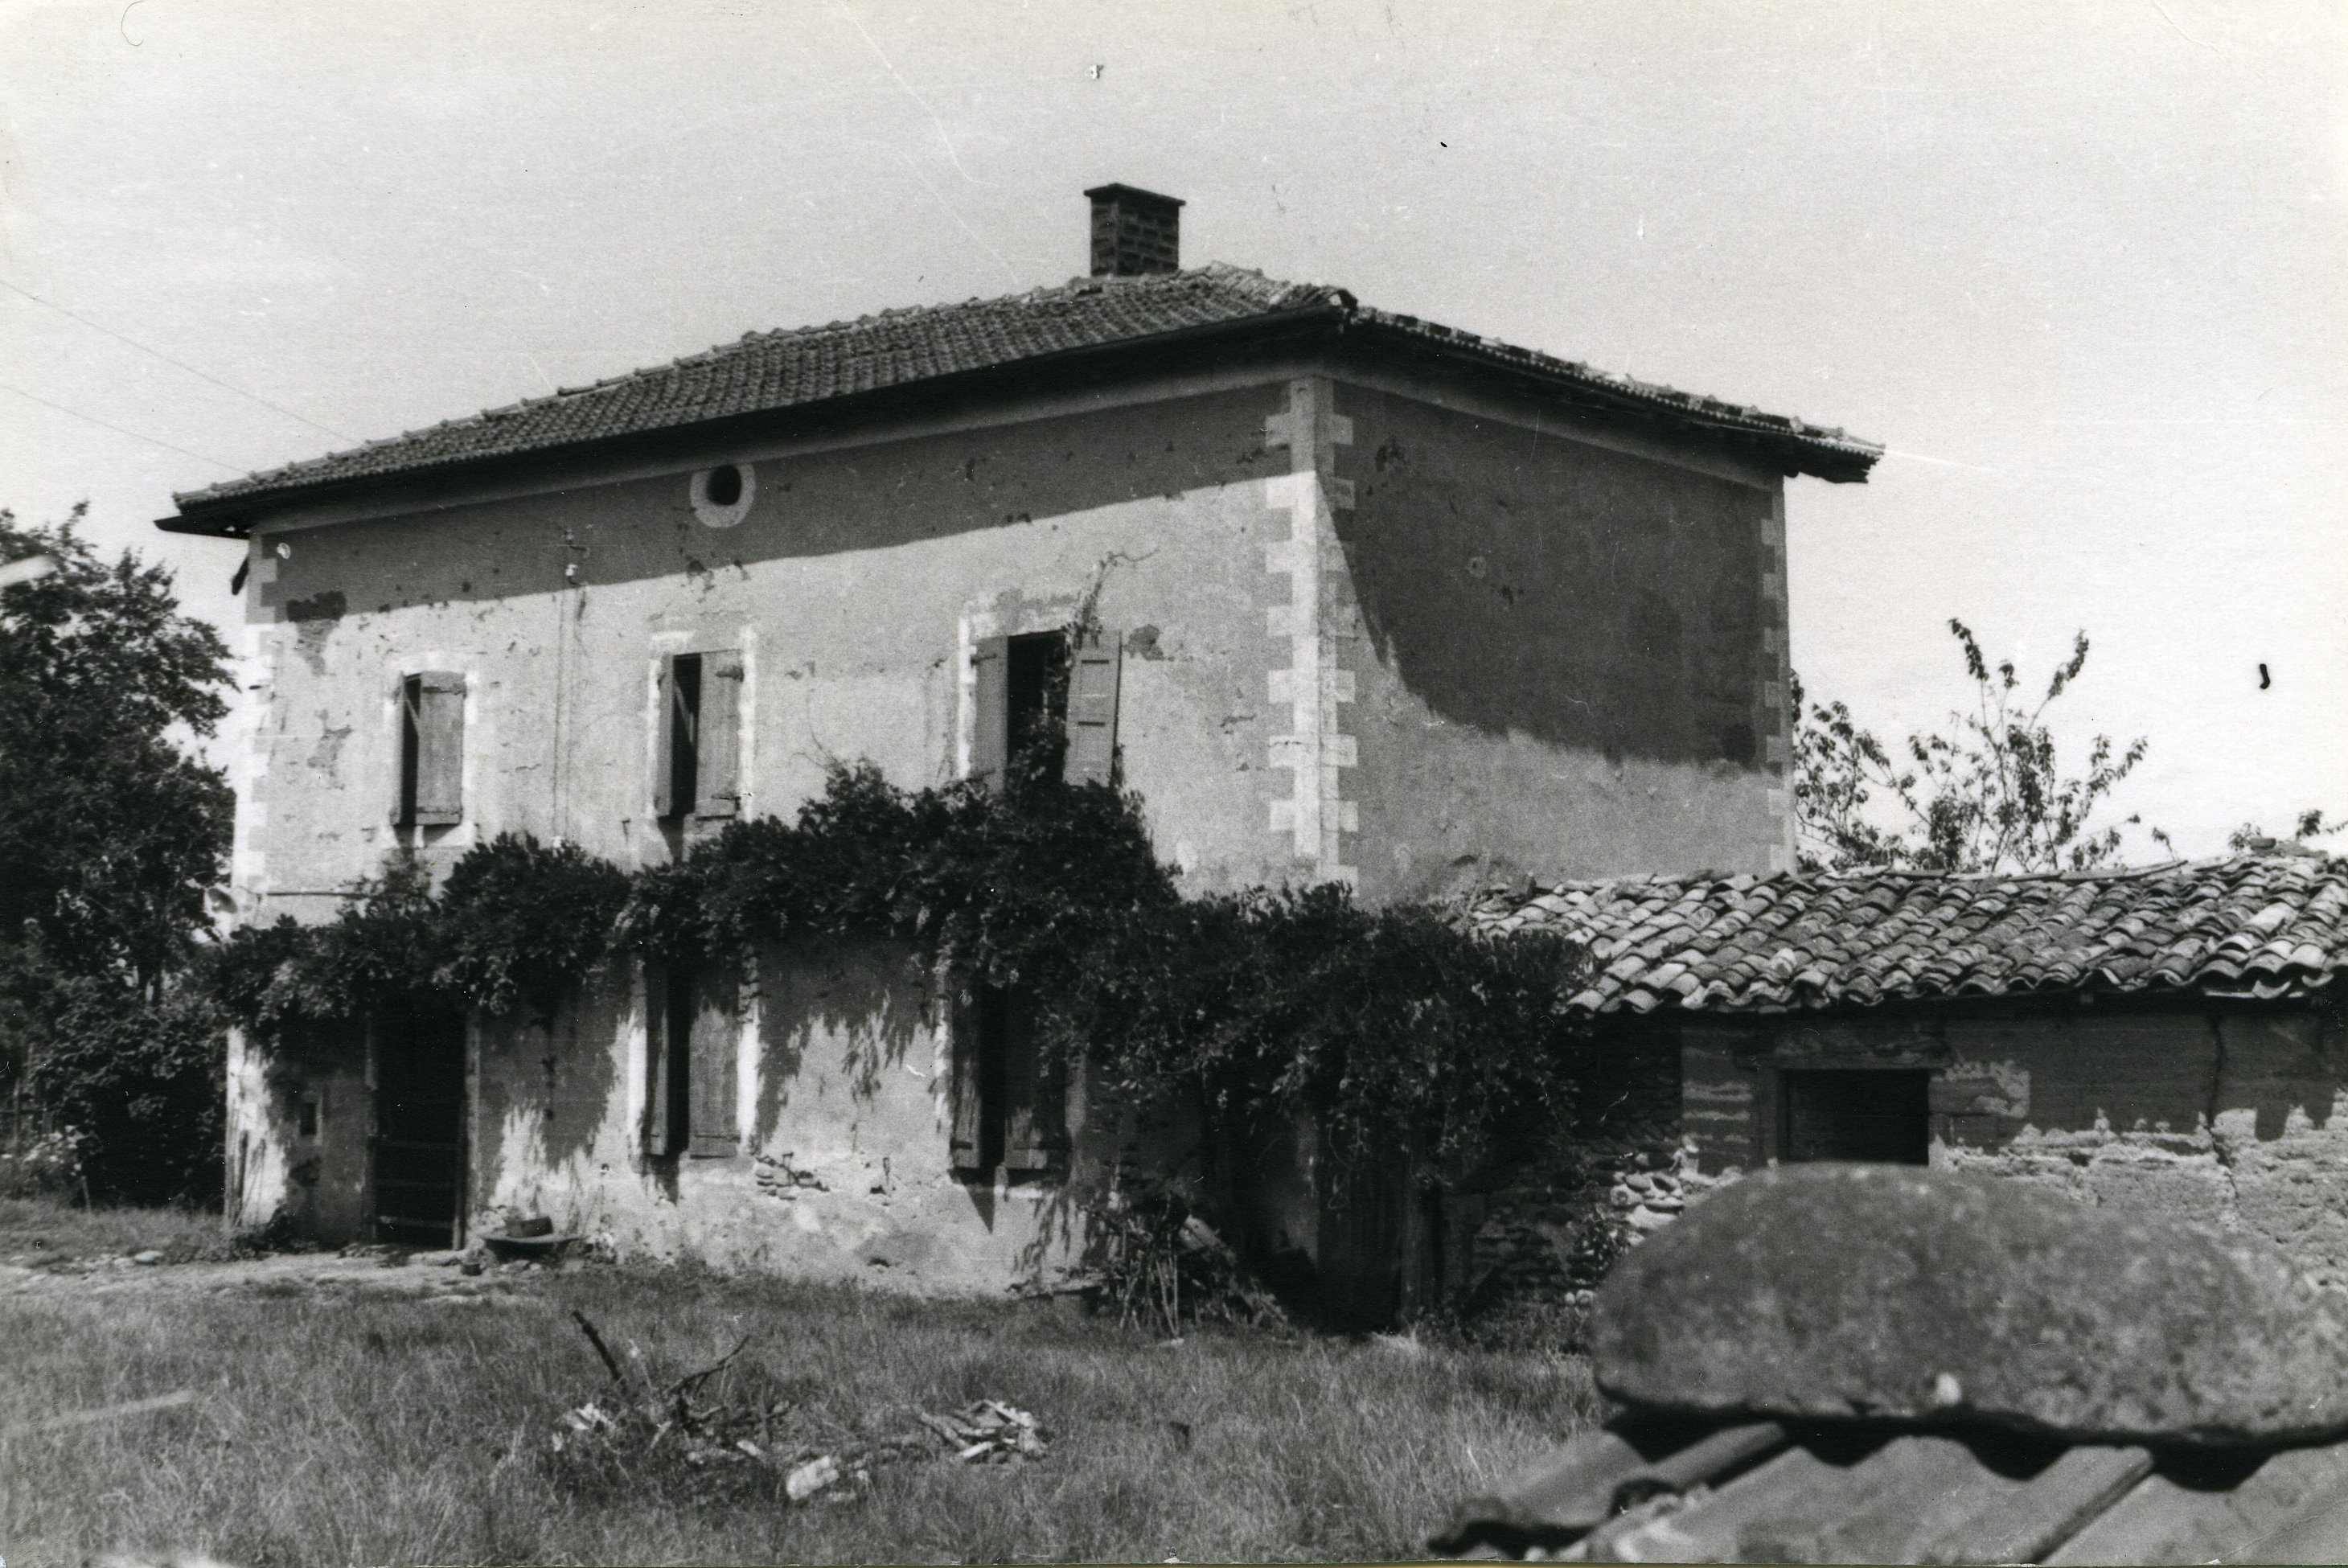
<point>2079,266</point>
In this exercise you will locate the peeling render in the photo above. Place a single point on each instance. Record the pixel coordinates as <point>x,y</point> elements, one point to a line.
<point>1408,643</point>
<point>2233,1114</point>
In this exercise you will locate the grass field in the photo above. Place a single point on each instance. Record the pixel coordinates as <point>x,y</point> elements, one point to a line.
<point>41,1224</point>
<point>356,1429</point>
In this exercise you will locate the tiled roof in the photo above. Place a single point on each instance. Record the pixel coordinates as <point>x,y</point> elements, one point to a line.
<point>775,370</point>
<point>1648,1490</point>
<point>2256,925</point>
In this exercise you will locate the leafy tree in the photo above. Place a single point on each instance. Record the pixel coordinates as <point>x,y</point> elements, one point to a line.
<point>2250,837</point>
<point>1986,794</point>
<point>109,835</point>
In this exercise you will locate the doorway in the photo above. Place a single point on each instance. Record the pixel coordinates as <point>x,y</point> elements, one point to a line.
<point>418,1183</point>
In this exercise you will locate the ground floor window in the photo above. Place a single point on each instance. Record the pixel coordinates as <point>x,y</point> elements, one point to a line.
<point>1010,1101</point>
<point>692,1027</point>
<point>1876,1114</point>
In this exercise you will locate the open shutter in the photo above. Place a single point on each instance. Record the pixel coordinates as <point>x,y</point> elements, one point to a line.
<point>411,725</point>
<point>990,735</point>
<point>1095,663</point>
<point>674,736</point>
<point>440,730</point>
<point>709,1072</point>
<point>1032,1136</point>
<point>718,752</point>
<point>669,996</point>
<point>968,1137</point>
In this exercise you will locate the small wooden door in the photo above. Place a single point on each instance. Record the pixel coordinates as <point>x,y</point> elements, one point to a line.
<point>419,1175</point>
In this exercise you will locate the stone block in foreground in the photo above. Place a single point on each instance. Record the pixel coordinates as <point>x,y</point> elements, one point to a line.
<point>1833,1291</point>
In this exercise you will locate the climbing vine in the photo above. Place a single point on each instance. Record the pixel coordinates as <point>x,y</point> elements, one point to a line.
<point>1394,1028</point>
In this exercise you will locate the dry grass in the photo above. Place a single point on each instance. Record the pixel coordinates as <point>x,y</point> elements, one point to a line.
<point>389,1432</point>
<point>42,1225</point>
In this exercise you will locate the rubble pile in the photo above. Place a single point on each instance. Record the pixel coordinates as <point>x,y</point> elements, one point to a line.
<point>988,1431</point>
<point>699,1438</point>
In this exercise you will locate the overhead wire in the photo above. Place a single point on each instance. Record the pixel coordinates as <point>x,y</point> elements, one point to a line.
<point>179,363</point>
<point>105,425</point>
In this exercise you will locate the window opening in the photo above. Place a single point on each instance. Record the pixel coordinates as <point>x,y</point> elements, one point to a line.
<point>431,750</point>
<point>700,719</point>
<point>1036,695</point>
<point>690,1104</point>
<point>1880,1115</point>
<point>721,495</point>
<point>1046,708</point>
<point>1009,1100</point>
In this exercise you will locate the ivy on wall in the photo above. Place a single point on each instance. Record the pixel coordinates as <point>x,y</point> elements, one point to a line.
<point>1394,1028</point>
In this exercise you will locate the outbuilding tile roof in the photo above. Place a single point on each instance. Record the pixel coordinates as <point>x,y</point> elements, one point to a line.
<point>2255,925</point>
<point>1648,1490</point>
<point>767,371</point>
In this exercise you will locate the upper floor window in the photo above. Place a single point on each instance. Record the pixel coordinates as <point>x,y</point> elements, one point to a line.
<point>431,750</point>
<point>697,771</point>
<point>1047,707</point>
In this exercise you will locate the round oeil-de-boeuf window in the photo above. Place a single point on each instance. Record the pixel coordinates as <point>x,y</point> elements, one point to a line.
<point>722,495</point>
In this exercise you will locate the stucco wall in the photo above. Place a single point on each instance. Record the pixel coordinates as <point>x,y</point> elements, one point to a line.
<point>844,1170</point>
<point>1570,656</point>
<point>1506,652</point>
<point>1367,638</point>
<point>855,588</point>
<point>317,1180</point>
<point>2231,1115</point>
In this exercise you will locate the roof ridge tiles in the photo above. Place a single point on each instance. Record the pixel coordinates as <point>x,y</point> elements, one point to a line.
<point>786,367</point>
<point>1860,938</point>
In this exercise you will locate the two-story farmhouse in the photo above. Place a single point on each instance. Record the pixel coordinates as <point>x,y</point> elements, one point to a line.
<point>1380,601</point>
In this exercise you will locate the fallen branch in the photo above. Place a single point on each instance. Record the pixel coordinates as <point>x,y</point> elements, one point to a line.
<point>691,1382</point>
<point>595,1339</point>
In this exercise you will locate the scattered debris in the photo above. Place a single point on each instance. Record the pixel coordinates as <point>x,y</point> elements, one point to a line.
<point>703,1436</point>
<point>988,1431</point>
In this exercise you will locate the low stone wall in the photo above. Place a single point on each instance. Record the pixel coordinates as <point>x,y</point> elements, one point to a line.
<point>2227,1114</point>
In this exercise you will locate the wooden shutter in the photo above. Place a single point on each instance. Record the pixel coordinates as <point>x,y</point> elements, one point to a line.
<point>411,723</point>
<point>1095,663</point>
<point>439,728</point>
<point>712,998</point>
<point>968,1146</point>
<point>717,753</point>
<point>990,735</point>
<point>676,735</point>
<point>668,997</point>
<point>1032,1135</point>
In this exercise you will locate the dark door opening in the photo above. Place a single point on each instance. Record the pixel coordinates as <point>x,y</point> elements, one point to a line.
<point>419,1142</point>
<point>1876,1114</point>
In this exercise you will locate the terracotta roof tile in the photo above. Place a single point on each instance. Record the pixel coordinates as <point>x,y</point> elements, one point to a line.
<point>2268,925</point>
<point>774,370</point>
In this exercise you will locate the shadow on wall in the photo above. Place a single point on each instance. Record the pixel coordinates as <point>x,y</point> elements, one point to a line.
<point>1581,596</point>
<point>580,1070</point>
<point>1132,1164</point>
<point>558,1071</point>
<point>869,1001</point>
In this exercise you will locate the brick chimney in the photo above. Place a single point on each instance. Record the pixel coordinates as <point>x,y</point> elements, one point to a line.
<point>1135,232</point>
